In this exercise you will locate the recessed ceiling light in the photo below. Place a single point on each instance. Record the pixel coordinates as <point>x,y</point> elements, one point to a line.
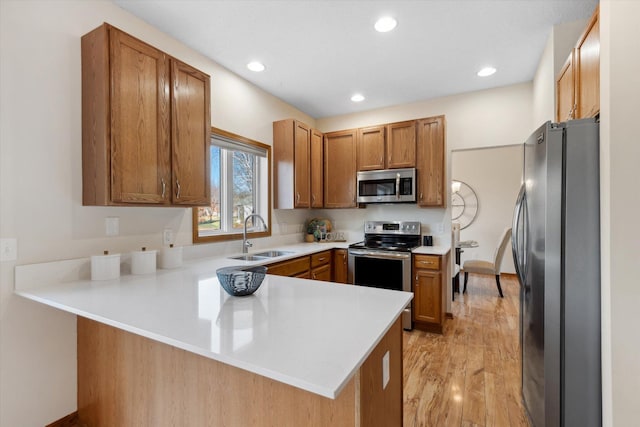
<point>255,66</point>
<point>357,98</point>
<point>486,71</point>
<point>385,24</point>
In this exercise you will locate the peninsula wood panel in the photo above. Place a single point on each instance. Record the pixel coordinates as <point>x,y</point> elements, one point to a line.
<point>340,169</point>
<point>371,148</point>
<point>401,145</point>
<point>128,380</point>
<point>588,70</point>
<point>191,129</point>
<point>380,405</point>
<point>430,162</point>
<point>317,169</point>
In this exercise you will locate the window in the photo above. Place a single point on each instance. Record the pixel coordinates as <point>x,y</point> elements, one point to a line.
<point>240,185</point>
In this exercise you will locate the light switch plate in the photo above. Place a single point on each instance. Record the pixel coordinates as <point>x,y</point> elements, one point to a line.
<point>8,249</point>
<point>112,225</point>
<point>385,370</point>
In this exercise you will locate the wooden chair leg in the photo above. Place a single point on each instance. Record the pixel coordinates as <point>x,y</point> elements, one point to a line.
<point>498,285</point>
<point>453,289</point>
<point>466,277</point>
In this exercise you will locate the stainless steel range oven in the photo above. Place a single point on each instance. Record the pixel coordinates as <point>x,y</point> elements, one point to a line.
<point>383,259</point>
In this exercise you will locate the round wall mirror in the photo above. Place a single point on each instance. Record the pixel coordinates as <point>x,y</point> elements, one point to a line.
<point>464,203</point>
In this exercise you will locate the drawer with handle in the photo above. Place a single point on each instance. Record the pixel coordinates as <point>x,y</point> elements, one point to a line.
<point>429,262</point>
<point>320,258</point>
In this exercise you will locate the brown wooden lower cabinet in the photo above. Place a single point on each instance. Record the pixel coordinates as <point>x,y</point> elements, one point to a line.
<point>340,266</point>
<point>128,380</point>
<point>316,266</point>
<point>431,275</point>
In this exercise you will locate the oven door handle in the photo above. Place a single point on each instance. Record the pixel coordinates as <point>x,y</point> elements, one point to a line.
<point>370,254</point>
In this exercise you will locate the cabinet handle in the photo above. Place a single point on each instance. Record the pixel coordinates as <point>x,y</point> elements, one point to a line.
<point>313,276</point>
<point>420,196</point>
<point>426,262</point>
<point>313,198</point>
<point>297,198</point>
<point>164,187</point>
<point>381,159</point>
<point>321,259</point>
<point>416,279</point>
<point>179,189</point>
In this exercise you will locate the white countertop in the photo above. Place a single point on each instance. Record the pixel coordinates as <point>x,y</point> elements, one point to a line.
<point>308,334</point>
<point>431,250</point>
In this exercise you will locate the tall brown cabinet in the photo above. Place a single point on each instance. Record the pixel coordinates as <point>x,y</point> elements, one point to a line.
<point>145,124</point>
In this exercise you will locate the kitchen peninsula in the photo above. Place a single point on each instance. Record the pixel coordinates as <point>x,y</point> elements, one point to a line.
<point>172,348</point>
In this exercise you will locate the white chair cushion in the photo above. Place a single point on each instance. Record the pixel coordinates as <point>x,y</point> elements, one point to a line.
<point>478,266</point>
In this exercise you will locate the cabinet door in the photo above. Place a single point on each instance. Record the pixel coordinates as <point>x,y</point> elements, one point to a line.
<point>301,165</point>
<point>401,145</point>
<point>430,162</point>
<point>340,268</point>
<point>191,130</point>
<point>371,149</point>
<point>317,166</point>
<point>322,273</point>
<point>427,297</point>
<point>588,71</point>
<point>140,127</point>
<point>566,91</point>
<point>340,169</point>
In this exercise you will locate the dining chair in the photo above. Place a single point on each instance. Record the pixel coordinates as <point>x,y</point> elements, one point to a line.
<point>488,267</point>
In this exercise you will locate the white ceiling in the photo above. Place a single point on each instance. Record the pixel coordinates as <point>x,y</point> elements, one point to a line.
<point>319,53</point>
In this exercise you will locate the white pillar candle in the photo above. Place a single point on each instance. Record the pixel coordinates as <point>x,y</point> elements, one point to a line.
<point>143,262</point>
<point>105,267</point>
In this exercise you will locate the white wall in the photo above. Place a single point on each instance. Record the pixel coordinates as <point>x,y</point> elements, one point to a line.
<point>40,185</point>
<point>495,174</point>
<point>620,205</point>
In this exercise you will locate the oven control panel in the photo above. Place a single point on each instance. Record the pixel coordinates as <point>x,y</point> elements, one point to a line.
<point>392,227</point>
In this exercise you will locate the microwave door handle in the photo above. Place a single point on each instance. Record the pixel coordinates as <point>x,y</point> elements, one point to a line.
<point>398,186</point>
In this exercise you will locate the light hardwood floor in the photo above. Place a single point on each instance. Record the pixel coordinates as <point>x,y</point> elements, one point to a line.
<point>470,375</point>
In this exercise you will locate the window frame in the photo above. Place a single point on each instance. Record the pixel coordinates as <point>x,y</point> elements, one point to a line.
<point>222,237</point>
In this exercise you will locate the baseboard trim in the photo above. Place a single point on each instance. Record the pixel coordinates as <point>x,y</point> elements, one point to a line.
<point>509,275</point>
<point>448,315</point>
<point>70,420</point>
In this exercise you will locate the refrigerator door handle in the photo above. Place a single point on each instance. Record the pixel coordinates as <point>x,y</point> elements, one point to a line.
<point>515,241</point>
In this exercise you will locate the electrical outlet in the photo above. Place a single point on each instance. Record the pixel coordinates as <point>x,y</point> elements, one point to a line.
<point>167,237</point>
<point>112,225</point>
<point>385,370</point>
<point>8,249</point>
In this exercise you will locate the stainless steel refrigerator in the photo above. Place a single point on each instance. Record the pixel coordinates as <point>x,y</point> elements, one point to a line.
<point>556,250</point>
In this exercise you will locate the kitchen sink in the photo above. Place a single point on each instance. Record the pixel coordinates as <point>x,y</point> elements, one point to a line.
<point>273,254</point>
<point>250,257</point>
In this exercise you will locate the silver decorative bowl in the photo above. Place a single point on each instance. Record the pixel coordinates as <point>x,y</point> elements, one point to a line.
<point>241,280</point>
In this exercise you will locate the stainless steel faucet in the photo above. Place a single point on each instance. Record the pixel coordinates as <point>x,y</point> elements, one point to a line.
<point>245,243</point>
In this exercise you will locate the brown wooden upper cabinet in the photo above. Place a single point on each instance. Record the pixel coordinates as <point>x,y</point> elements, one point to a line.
<point>401,145</point>
<point>145,124</point>
<point>578,83</point>
<point>317,169</point>
<point>340,169</point>
<point>430,162</point>
<point>371,148</point>
<point>292,164</point>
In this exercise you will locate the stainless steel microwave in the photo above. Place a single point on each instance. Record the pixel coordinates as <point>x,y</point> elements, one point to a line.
<point>387,186</point>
